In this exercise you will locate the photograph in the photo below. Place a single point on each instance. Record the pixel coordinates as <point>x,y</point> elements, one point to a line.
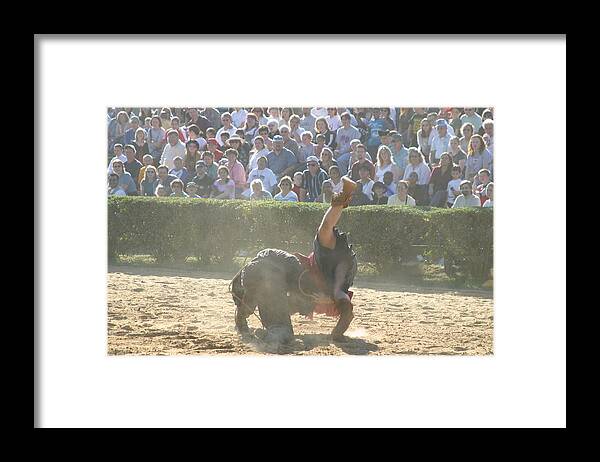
<point>282,247</point>
<point>324,231</point>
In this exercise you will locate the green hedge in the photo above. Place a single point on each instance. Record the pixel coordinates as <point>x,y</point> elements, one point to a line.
<point>463,235</point>
<point>215,230</point>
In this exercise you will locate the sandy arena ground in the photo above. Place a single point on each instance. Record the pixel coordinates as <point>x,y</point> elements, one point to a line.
<point>155,311</point>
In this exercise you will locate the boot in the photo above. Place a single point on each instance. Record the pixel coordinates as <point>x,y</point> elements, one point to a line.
<point>343,198</point>
<point>346,316</point>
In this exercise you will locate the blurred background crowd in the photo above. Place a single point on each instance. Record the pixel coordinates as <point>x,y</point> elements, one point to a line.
<point>440,157</point>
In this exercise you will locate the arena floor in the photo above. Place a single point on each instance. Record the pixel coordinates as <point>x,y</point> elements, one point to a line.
<point>154,311</point>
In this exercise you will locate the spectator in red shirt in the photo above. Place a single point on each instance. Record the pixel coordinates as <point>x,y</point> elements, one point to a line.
<point>297,188</point>
<point>483,179</point>
<point>175,126</point>
<point>438,181</point>
<point>213,147</point>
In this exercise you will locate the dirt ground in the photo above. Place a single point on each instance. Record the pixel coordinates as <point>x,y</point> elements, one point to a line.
<point>154,311</point>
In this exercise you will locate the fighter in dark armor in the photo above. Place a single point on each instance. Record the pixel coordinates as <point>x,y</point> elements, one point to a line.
<point>281,284</point>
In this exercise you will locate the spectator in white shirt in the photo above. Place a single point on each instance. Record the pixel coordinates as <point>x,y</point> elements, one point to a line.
<point>433,118</point>
<point>485,115</point>
<point>238,117</point>
<point>467,198</point>
<point>318,112</point>
<point>118,155</point>
<point>416,163</point>
<point>257,151</point>
<point>488,127</point>
<point>385,163</point>
<point>489,192</point>
<point>227,127</point>
<point>161,191</point>
<point>172,149</point>
<point>366,181</point>
<point>440,141</point>
<point>263,173</point>
<point>401,197</point>
<point>274,114</point>
<point>388,181</point>
<point>336,179</point>
<point>114,189</point>
<point>454,185</point>
<point>333,119</point>
<point>258,191</point>
<point>286,194</point>
<point>194,134</point>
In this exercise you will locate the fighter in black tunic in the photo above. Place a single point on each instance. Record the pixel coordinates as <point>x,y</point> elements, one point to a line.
<point>281,284</point>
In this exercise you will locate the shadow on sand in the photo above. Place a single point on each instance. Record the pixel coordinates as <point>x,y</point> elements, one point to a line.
<point>352,345</point>
<point>306,342</point>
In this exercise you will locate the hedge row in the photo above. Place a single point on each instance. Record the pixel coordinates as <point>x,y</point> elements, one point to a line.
<point>215,230</point>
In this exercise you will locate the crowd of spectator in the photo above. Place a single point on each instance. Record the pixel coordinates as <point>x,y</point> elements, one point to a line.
<point>441,157</point>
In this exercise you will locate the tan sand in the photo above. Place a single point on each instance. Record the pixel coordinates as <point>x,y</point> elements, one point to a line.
<point>179,312</point>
